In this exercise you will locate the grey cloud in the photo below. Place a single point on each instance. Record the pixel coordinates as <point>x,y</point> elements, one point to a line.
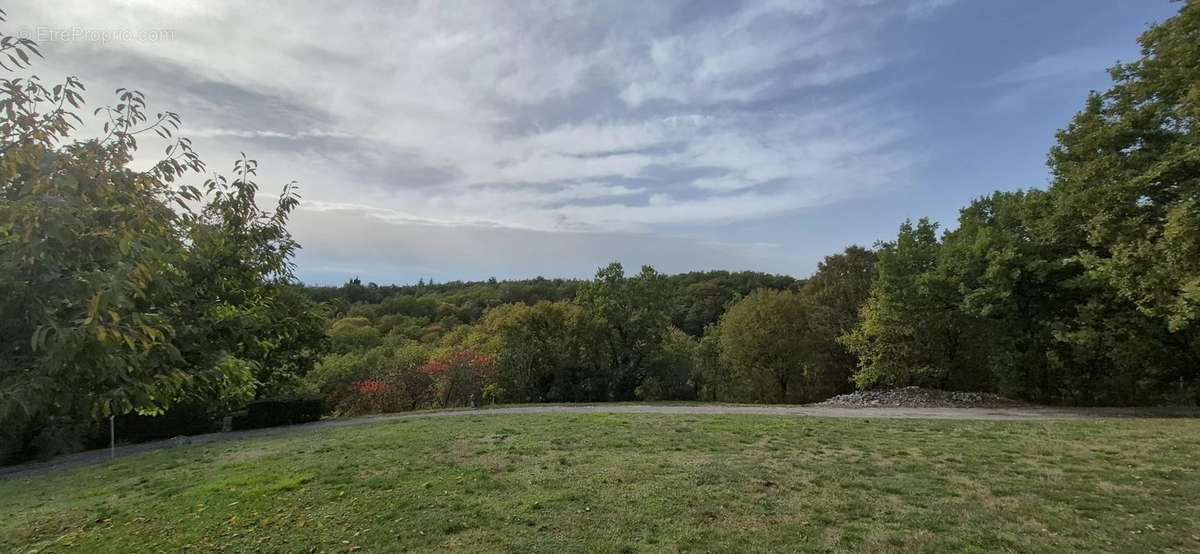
<point>339,244</point>
<point>539,121</point>
<point>366,162</point>
<point>198,97</point>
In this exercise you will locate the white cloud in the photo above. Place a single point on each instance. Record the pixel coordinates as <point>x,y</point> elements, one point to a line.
<point>600,117</point>
<point>1076,62</point>
<point>255,133</point>
<point>1026,85</point>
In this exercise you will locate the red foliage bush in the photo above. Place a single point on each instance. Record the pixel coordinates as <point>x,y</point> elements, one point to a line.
<point>460,361</point>
<point>460,377</point>
<point>371,386</point>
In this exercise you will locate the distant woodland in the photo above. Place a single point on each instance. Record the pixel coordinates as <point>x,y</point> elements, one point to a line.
<point>145,292</point>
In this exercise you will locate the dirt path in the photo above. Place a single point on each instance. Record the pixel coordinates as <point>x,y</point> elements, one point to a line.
<point>93,457</point>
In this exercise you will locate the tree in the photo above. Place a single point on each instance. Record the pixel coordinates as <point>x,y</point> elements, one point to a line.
<point>292,342</point>
<point>836,294</point>
<point>711,378</point>
<point>635,311</point>
<point>88,268</point>
<point>118,287</point>
<point>669,369</point>
<point>699,298</point>
<point>912,332</point>
<point>1010,276</point>
<point>1129,164</point>
<point>353,333</point>
<point>762,340</point>
<point>550,351</point>
<point>701,304</point>
<point>239,294</point>
<point>1126,186</point>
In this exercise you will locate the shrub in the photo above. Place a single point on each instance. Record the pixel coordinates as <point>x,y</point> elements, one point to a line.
<point>460,377</point>
<point>382,379</point>
<point>189,419</point>
<point>276,412</point>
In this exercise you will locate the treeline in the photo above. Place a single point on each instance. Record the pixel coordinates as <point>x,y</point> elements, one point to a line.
<point>617,337</point>
<point>426,310</point>
<point>128,293</point>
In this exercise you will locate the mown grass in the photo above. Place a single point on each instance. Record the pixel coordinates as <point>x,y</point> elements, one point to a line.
<point>636,483</point>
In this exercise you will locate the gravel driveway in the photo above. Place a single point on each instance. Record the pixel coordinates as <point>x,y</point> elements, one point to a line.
<point>92,457</point>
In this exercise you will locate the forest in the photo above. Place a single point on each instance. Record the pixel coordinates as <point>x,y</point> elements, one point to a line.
<point>136,292</point>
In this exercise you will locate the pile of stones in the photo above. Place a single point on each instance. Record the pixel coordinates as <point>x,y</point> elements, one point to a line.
<point>917,397</point>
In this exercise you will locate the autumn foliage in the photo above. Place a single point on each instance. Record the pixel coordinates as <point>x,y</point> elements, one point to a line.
<point>459,378</point>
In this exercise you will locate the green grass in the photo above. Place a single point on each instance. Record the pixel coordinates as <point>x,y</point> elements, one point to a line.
<point>636,483</point>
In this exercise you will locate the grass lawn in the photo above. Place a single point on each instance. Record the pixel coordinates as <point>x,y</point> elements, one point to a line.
<point>635,483</point>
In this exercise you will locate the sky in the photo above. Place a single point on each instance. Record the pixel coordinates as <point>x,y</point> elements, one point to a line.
<point>451,140</point>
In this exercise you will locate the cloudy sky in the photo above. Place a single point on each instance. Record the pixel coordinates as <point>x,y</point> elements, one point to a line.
<point>463,140</point>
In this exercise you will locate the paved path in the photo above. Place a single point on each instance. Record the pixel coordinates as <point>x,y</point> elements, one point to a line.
<point>991,414</point>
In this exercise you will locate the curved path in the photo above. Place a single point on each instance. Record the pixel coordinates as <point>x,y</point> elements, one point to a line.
<point>1032,413</point>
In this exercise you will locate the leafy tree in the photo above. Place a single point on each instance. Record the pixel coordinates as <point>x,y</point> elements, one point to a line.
<point>762,339</point>
<point>550,351</point>
<point>111,292</point>
<point>1084,288</point>
<point>1129,166</point>
<point>410,388</point>
<point>836,294</point>
<point>87,269</point>
<point>669,369</point>
<point>711,378</point>
<point>1050,331</point>
<point>1127,188</point>
<point>353,333</point>
<point>1011,276</point>
<point>238,291</point>
<point>292,341</point>
<point>635,311</point>
<point>701,304</point>
<point>699,298</point>
<point>912,332</point>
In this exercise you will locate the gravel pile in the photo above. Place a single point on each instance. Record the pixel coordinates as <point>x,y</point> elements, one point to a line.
<point>917,397</point>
